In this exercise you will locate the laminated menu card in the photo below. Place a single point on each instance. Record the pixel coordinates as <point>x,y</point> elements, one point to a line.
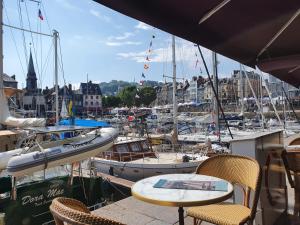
<point>192,185</point>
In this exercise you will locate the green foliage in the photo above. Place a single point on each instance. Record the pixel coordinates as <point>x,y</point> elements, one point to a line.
<point>128,96</point>
<point>111,101</point>
<point>147,95</point>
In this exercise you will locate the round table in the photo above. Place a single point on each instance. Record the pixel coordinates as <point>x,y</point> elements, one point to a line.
<point>144,190</point>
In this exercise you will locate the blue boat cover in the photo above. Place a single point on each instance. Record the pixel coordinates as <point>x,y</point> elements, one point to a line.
<point>85,123</point>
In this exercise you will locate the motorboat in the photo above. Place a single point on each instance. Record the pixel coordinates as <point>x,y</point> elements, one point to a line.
<point>135,159</point>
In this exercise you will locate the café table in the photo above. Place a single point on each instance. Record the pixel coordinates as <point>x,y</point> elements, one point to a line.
<point>144,190</point>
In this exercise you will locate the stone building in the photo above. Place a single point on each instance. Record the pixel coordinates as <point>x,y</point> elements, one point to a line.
<point>33,98</point>
<point>91,98</point>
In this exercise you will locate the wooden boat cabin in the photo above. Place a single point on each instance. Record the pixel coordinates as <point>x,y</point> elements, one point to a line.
<point>128,149</point>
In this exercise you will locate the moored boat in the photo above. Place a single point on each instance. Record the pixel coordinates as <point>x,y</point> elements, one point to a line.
<point>134,159</point>
<point>91,144</point>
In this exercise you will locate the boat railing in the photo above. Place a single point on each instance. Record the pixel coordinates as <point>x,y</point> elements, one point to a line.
<point>178,150</point>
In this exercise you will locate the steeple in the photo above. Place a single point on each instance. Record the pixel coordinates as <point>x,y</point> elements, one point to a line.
<point>31,79</point>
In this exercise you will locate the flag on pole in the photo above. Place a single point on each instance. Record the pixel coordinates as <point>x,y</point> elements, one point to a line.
<point>143,75</point>
<point>40,15</point>
<point>147,58</point>
<point>146,67</point>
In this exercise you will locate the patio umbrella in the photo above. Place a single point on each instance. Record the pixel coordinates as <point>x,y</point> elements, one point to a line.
<point>263,33</point>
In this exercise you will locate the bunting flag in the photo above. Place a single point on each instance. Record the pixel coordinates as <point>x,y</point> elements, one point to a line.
<point>197,63</point>
<point>142,82</point>
<point>147,59</point>
<point>40,15</point>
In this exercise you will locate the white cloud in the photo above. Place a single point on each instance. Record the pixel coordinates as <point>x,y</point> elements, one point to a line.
<point>124,36</point>
<point>115,43</point>
<point>143,26</point>
<point>185,51</point>
<point>99,15</point>
<point>68,5</point>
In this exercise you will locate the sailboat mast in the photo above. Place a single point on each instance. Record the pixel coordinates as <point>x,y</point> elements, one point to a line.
<point>175,137</point>
<point>1,47</point>
<point>55,37</point>
<point>242,91</point>
<point>215,83</point>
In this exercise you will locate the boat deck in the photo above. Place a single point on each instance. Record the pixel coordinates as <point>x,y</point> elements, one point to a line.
<point>166,158</point>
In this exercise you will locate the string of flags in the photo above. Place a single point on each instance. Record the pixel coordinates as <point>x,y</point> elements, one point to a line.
<point>147,59</point>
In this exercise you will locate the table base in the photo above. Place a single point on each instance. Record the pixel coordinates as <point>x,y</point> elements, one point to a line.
<point>181,216</point>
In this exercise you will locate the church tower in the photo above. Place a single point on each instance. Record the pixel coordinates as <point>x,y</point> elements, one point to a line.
<point>31,84</point>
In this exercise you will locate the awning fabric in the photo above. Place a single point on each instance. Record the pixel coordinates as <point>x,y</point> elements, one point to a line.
<point>265,33</point>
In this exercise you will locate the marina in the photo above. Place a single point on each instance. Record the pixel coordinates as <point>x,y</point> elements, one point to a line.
<point>149,113</point>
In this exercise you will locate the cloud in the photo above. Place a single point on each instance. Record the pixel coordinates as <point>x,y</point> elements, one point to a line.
<point>121,40</point>
<point>68,5</point>
<point>115,43</point>
<point>143,26</point>
<point>98,15</point>
<point>185,51</point>
<point>124,36</point>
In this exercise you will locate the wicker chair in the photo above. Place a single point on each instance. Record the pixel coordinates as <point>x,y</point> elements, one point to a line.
<point>291,160</point>
<point>73,212</point>
<point>239,170</point>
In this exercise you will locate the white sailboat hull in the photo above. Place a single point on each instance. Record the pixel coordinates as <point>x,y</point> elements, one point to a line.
<point>136,171</point>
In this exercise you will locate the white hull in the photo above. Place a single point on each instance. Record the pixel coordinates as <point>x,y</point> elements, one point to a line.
<point>136,171</point>
<point>35,161</point>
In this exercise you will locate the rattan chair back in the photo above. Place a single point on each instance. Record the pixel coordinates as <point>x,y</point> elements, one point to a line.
<point>240,170</point>
<point>291,160</point>
<point>73,212</point>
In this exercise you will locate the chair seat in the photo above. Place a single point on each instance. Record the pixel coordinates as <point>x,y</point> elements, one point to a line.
<point>223,213</point>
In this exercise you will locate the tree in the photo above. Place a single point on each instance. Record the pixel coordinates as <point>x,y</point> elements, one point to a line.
<point>147,95</point>
<point>111,101</point>
<point>128,96</point>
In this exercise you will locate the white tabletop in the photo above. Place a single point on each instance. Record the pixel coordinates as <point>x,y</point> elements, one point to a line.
<point>145,191</point>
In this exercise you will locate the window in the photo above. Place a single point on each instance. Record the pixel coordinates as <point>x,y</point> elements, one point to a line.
<point>145,146</point>
<point>86,97</point>
<point>86,103</point>
<point>92,97</point>
<point>122,148</point>
<point>92,103</point>
<point>135,147</point>
<point>97,97</point>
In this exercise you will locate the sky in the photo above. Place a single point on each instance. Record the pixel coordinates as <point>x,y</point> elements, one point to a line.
<point>95,43</point>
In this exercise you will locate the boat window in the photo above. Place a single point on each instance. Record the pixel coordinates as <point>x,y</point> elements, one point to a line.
<point>145,146</point>
<point>122,148</point>
<point>135,147</point>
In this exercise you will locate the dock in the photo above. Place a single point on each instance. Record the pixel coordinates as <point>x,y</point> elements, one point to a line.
<point>131,211</point>
<point>116,180</point>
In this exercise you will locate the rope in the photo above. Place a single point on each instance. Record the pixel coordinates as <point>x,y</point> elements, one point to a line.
<point>14,41</point>
<point>23,33</point>
<point>115,187</point>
